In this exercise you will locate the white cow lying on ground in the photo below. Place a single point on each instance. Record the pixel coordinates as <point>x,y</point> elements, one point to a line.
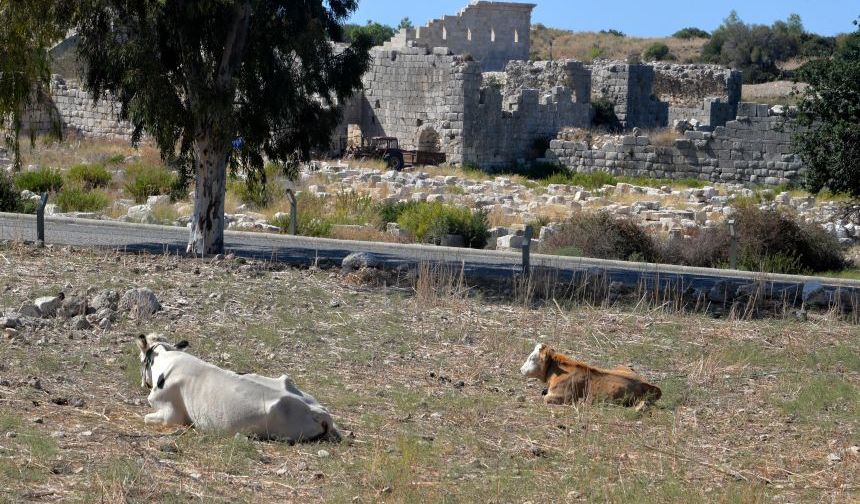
<point>188,391</point>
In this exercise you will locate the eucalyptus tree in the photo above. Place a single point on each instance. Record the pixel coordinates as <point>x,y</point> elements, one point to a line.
<point>28,28</point>
<point>218,83</point>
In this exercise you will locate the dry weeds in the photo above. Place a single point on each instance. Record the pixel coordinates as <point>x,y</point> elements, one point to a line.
<point>584,46</point>
<point>427,381</point>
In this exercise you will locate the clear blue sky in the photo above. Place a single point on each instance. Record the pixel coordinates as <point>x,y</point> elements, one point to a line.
<point>641,17</point>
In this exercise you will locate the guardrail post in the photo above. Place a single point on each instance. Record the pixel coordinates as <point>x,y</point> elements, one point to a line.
<point>527,245</point>
<point>293,211</point>
<point>733,246</point>
<point>40,220</point>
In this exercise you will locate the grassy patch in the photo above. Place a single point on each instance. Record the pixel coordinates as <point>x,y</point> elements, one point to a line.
<point>39,181</point>
<point>87,176</point>
<point>73,199</point>
<point>820,398</point>
<point>144,180</point>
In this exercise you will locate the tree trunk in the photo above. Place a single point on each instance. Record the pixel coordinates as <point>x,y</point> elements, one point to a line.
<point>207,222</point>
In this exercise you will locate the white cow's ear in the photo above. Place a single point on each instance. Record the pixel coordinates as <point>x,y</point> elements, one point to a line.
<point>182,345</point>
<point>142,343</point>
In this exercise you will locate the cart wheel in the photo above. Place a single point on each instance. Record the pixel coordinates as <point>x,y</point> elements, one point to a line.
<point>395,162</point>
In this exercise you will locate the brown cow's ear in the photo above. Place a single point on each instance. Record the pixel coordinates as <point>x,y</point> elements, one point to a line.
<point>546,353</point>
<point>141,343</point>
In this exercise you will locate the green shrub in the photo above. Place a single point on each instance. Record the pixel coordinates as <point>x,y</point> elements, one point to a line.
<point>89,176</point>
<point>593,180</point>
<point>10,199</point>
<point>313,226</point>
<point>604,115</point>
<point>313,217</point>
<point>353,208</point>
<point>659,182</point>
<point>657,51</point>
<point>430,222</point>
<point>253,191</point>
<point>708,248</point>
<point>75,199</point>
<point>143,181</point>
<point>774,241</point>
<point>115,159</point>
<point>390,211</point>
<point>39,181</point>
<point>767,240</point>
<point>603,236</point>
<point>614,33</point>
<point>691,32</point>
<point>250,193</point>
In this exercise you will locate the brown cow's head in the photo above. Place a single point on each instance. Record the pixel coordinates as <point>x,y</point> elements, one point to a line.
<point>537,362</point>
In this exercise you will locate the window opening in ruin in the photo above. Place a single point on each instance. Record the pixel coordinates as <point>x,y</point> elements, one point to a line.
<point>516,37</point>
<point>469,34</point>
<point>444,33</point>
<point>428,141</point>
<point>376,105</point>
<point>492,35</point>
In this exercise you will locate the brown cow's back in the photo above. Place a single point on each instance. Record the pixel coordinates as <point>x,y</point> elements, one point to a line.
<point>570,380</point>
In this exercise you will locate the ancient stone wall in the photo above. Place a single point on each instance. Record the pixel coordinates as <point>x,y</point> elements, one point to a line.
<point>77,112</point>
<point>629,88</point>
<point>440,102</point>
<point>653,96</point>
<point>755,148</point>
<point>417,96</point>
<point>493,33</point>
<point>708,93</point>
<point>512,122</point>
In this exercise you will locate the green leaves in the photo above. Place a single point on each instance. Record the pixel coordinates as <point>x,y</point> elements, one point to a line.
<point>829,115</point>
<point>28,28</point>
<point>185,70</point>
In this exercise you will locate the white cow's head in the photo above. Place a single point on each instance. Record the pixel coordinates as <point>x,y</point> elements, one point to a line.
<point>148,346</point>
<point>536,362</point>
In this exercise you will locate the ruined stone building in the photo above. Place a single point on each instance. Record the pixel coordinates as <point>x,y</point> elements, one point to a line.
<point>463,85</point>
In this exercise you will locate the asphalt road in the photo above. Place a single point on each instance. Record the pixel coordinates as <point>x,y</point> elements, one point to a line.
<point>306,251</point>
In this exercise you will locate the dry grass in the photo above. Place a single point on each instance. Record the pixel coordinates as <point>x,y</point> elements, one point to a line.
<point>498,218</point>
<point>428,383</point>
<point>663,137</point>
<point>585,46</point>
<point>76,150</point>
<point>773,93</point>
<point>365,233</point>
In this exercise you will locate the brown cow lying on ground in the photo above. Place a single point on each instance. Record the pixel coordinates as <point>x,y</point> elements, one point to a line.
<point>569,380</point>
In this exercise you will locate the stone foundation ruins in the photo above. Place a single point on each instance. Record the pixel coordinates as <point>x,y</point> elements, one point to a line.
<point>71,107</point>
<point>754,148</point>
<point>463,85</point>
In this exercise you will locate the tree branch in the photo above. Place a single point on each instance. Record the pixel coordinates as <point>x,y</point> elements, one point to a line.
<point>234,46</point>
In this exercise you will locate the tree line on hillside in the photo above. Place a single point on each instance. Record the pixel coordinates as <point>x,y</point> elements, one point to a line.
<point>760,51</point>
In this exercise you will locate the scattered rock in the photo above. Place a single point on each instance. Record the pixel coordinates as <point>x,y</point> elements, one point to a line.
<point>80,323</point>
<point>34,382</point>
<point>140,302</point>
<point>73,306</point>
<point>359,260</point>
<point>10,322</point>
<point>323,454</point>
<point>833,458</point>
<point>48,305</point>
<point>107,298</point>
